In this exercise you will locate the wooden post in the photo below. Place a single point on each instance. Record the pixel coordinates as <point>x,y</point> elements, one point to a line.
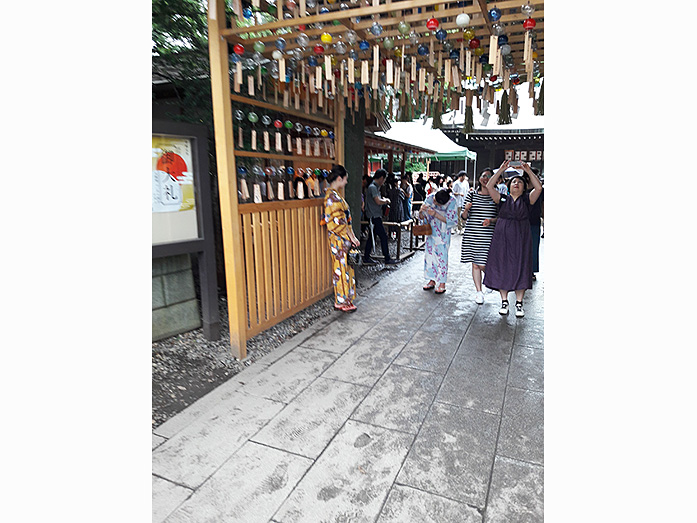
<point>227,179</point>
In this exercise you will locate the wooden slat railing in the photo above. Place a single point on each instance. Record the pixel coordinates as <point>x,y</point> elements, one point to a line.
<point>286,260</point>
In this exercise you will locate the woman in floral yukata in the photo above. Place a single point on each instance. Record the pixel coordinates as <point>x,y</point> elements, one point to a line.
<point>440,210</point>
<point>337,218</point>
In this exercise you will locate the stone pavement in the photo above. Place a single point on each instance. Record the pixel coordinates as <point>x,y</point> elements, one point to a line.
<point>415,408</point>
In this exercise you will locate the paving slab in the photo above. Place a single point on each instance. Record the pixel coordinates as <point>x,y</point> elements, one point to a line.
<point>338,335</point>
<point>157,440</point>
<point>522,426</point>
<point>430,351</point>
<point>531,333</point>
<point>475,380</point>
<point>197,451</point>
<point>248,488</point>
<point>166,497</point>
<point>400,399</point>
<point>453,454</point>
<point>287,377</point>
<point>527,369</point>
<point>310,421</point>
<point>365,361</point>
<point>516,494</point>
<point>406,505</point>
<point>351,479</point>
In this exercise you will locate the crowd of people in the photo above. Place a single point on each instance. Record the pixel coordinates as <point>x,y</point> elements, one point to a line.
<point>500,220</point>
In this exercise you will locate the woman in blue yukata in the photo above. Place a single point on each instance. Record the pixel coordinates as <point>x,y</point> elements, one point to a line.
<point>440,210</point>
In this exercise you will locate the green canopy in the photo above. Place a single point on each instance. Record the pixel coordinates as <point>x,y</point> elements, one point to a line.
<point>454,155</point>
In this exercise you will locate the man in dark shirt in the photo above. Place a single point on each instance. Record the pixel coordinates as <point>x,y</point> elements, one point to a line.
<point>373,211</point>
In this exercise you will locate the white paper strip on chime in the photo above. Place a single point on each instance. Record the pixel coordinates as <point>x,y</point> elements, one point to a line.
<point>279,190</point>
<point>493,48</point>
<point>238,76</point>
<point>244,189</point>
<point>468,62</point>
<point>499,62</point>
<point>447,72</point>
<point>279,143</point>
<point>299,145</point>
<point>431,56</point>
<point>397,78</point>
<point>333,83</point>
<point>303,7</point>
<point>364,72</point>
<point>282,69</point>
<point>456,78</point>
<point>296,98</point>
<point>413,67</point>
<point>320,96</point>
<point>429,84</point>
<point>422,80</point>
<point>286,97</point>
<point>267,143</point>
<point>351,70</point>
<point>255,3</point>
<point>250,85</point>
<point>389,72</point>
<point>506,79</point>
<point>318,78</point>
<point>478,73</point>
<point>376,66</point>
<point>254,140</point>
<point>401,65</point>
<point>327,66</point>
<point>440,62</point>
<point>258,75</point>
<point>269,190</point>
<point>462,56</point>
<point>525,47</point>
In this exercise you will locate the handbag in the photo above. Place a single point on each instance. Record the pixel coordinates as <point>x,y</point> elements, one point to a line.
<point>423,229</point>
<point>353,257</point>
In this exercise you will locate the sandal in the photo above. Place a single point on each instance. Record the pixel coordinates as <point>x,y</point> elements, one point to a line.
<point>429,287</point>
<point>440,291</point>
<point>349,307</point>
<point>338,307</point>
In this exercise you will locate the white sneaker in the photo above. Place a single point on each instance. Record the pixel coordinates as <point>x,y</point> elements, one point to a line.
<point>519,312</point>
<point>487,290</point>
<point>504,308</point>
<point>479,297</point>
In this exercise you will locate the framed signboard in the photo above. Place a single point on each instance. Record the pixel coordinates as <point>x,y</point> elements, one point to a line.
<point>516,155</point>
<point>182,213</point>
<point>508,155</point>
<point>539,155</point>
<point>523,156</point>
<point>174,215</point>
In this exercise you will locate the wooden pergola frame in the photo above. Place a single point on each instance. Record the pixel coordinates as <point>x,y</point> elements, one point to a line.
<point>244,224</point>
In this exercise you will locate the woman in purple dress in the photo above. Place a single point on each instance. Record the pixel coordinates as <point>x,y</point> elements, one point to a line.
<point>509,264</point>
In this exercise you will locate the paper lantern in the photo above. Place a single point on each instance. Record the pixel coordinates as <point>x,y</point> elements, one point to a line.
<point>462,20</point>
<point>432,24</point>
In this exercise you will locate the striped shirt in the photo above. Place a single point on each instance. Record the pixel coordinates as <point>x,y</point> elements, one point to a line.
<point>477,238</point>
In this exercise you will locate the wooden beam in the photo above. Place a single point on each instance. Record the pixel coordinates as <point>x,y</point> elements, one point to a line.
<point>227,179</point>
<point>334,15</point>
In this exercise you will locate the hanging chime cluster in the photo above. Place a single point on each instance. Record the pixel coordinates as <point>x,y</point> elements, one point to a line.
<point>405,63</point>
